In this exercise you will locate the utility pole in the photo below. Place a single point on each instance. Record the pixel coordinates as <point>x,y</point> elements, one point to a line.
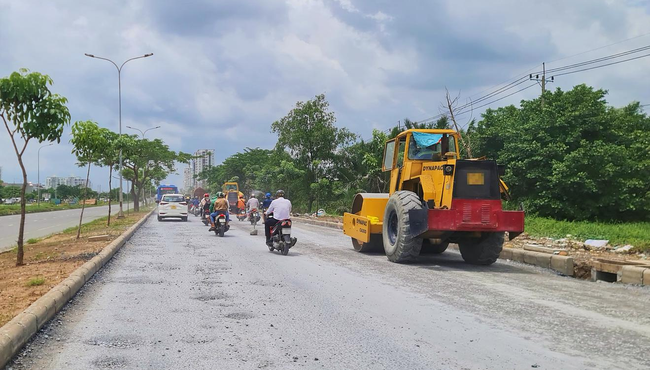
<point>542,81</point>
<point>120,214</point>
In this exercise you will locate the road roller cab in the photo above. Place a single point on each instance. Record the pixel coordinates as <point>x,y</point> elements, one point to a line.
<point>434,198</point>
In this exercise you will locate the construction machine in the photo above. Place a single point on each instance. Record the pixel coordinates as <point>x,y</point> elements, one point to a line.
<point>231,190</point>
<point>434,199</point>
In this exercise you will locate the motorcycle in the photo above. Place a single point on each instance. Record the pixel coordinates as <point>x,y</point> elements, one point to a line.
<point>220,226</point>
<point>195,210</point>
<point>281,237</point>
<point>206,217</point>
<point>241,216</point>
<point>254,217</point>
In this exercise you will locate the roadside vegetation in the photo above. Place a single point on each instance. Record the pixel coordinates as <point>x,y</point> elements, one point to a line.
<point>634,233</point>
<point>30,112</point>
<point>14,209</point>
<point>577,163</point>
<point>50,260</point>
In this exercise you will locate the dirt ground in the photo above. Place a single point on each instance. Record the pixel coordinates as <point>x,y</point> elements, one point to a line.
<point>52,259</point>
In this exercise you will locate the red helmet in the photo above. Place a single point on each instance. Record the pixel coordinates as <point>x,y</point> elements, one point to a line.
<point>206,195</point>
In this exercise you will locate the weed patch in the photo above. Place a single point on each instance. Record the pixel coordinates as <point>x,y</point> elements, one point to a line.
<point>36,281</point>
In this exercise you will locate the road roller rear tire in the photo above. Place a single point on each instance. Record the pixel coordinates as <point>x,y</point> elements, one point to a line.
<point>430,248</point>
<point>400,244</point>
<point>483,251</point>
<point>374,245</point>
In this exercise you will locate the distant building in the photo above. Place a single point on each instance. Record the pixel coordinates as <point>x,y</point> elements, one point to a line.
<point>204,160</point>
<point>53,182</point>
<point>188,180</point>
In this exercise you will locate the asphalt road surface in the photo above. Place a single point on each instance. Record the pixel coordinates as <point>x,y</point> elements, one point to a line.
<point>178,297</point>
<point>41,224</point>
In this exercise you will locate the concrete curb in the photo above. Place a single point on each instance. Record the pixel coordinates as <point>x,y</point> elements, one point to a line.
<point>561,264</point>
<point>17,332</point>
<point>634,275</point>
<point>333,225</point>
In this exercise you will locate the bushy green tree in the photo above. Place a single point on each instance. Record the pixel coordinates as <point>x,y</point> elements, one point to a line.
<point>314,143</point>
<point>145,161</point>
<point>577,158</point>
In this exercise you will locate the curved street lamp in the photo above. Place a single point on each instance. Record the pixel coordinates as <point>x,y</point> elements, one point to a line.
<point>142,132</point>
<point>119,82</point>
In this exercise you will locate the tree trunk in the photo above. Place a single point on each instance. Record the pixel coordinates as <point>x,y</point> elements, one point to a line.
<point>134,185</point>
<point>110,178</point>
<point>21,228</point>
<point>136,201</point>
<point>83,205</point>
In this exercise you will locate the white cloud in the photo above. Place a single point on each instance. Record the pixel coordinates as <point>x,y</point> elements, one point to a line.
<point>223,72</point>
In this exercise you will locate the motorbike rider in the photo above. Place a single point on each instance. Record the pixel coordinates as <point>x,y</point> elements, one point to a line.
<point>253,203</point>
<point>205,203</point>
<point>220,207</point>
<point>194,203</point>
<point>267,201</point>
<point>281,210</point>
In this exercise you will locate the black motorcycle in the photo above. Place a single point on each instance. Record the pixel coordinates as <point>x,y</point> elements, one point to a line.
<point>254,217</point>
<point>281,237</point>
<point>220,226</point>
<point>206,217</point>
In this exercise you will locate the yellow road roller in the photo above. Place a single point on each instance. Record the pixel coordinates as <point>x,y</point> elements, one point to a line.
<point>434,199</point>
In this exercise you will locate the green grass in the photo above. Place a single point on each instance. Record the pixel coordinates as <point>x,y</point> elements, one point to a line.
<point>100,223</point>
<point>36,281</point>
<point>32,241</point>
<point>634,233</point>
<point>14,209</point>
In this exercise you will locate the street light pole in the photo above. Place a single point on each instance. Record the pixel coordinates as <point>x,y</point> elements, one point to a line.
<point>144,133</point>
<point>38,182</point>
<point>119,85</point>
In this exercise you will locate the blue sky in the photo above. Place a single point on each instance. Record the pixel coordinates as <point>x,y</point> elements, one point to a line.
<point>223,71</point>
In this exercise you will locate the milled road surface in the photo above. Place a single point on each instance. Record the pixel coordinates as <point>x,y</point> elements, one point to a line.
<point>38,225</point>
<point>178,297</point>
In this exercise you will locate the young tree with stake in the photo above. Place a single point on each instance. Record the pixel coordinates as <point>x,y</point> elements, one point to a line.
<point>29,112</point>
<point>88,140</point>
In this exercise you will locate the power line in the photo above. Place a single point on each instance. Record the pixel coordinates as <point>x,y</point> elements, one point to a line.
<point>522,79</point>
<point>599,48</point>
<point>602,65</point>
<point>496,100</point>
<point>597,60</point>
<point>564,58</point>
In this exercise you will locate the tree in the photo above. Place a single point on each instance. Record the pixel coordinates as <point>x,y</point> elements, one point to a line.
<point>577,158</point>
<point>30,111</point>
<point>312,140</point>
<point>10,192</point>
<point>109,156</point>
<point>89,140</point>
<point>146,160</point>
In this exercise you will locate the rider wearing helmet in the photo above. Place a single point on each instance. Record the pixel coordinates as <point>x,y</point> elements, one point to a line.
<point>205,202</point>
<point>241,204</point>
<point>281,210</point>
<point>267,201</point>
<point>220,207</point>
<point>253,203</point>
